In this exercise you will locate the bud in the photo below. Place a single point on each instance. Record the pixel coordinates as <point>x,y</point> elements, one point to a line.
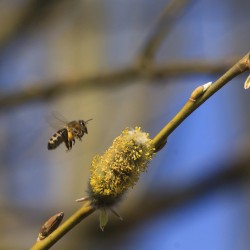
<point>247,83</point>
<point>199,91</point>
<point>50,226</point>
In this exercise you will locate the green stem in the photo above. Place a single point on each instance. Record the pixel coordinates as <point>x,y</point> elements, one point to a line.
<point>241,66</point>
<point>71,222</point>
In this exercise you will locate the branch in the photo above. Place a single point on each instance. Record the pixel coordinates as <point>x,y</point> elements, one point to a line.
<point>162,27</point>
<point>25,19</point>
<point>199,96</point>
<point>71,222</point>
<point>116,78</point>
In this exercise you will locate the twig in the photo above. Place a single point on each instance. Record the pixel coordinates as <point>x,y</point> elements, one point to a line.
<point>71,222</point>
<point>198,96</point>
<point>25,19</point>
<point>162,27</point>
<point>116,78</point>
<point>192,104</point>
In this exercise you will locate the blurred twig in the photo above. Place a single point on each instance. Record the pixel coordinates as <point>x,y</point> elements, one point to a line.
<point>26,17</point>
<point>113,78</point>
<point>162,27</point>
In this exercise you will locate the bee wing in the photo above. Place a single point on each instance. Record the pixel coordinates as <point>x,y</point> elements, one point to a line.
<point>56,120</point>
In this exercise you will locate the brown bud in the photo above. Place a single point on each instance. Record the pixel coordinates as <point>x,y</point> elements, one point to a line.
<point>50,226</point>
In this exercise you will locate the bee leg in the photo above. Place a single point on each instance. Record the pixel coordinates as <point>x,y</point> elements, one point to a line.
<point>70,144</point>
<point>79,138</point>
<point>73,140</point>
<point>67,145</point>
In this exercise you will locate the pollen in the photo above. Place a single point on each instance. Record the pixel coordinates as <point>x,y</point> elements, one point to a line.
<point>70,136</point>
<point>119,168</point>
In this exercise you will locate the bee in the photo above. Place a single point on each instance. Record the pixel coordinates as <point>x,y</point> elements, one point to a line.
<point>72,130</point>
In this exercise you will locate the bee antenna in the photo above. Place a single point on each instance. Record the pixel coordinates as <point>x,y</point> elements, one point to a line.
<point>88,120</point>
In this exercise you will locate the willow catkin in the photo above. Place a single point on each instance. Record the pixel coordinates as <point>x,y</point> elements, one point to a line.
<point>119,169</point>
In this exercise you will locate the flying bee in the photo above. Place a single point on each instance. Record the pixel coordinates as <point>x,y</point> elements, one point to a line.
<point>72,130</point>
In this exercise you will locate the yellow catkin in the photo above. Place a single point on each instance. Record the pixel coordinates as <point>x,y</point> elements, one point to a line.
<point>120,167</point>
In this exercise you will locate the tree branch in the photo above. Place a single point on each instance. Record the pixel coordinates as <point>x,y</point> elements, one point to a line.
<point>25,19</point>
<point>115,78</point>
<point>198,97</point>
<point>162,27</point>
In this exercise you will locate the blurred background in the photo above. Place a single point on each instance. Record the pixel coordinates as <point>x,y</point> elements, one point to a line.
<point>125,63</point>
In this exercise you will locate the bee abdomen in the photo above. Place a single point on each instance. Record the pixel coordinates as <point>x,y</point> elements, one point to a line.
<point>59,137</point>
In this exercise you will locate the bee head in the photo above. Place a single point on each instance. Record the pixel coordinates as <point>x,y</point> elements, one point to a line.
<point>83,125</point>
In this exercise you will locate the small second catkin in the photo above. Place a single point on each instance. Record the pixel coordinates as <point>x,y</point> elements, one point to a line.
<point>120,167</point>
